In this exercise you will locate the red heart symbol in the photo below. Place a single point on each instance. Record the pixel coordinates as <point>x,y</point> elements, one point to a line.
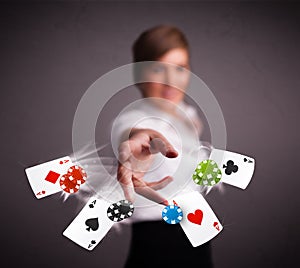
<point>196,217</point>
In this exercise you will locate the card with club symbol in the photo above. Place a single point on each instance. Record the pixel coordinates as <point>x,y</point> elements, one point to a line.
<point>91,224</point>
<point>199,222</point>
<point>237,169</point>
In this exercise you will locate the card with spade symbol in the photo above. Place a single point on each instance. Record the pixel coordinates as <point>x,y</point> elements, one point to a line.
<point>199,222</point>
<point>91,224</point>
<point>237,170</point>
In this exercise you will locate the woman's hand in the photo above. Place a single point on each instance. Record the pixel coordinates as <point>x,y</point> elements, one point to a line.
<point>135,158</point>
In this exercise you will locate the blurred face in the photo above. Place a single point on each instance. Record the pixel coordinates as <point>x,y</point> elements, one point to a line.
<point>169,76</point>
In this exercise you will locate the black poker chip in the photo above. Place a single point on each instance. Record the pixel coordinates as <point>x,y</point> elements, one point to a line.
<point>120,210</point>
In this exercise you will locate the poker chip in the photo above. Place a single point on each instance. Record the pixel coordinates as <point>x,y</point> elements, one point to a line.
<point>67,185</point>
<point>207,173</point>
<point>120,210</point>
<point>172,214</point>
<point>77,174</point>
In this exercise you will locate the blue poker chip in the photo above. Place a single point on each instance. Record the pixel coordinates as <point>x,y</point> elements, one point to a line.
<point>172,214</point>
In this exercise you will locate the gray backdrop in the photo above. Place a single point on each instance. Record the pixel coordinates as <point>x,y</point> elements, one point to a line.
<point>247,53</point>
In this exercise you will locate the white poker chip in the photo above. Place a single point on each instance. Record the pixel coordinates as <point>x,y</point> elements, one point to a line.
<point>120,210</point>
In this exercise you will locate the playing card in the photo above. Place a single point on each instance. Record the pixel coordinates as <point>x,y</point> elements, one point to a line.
<point>237,169</point>
<point>199,222</point>
<point>91,224</point>
<point>44,178</point>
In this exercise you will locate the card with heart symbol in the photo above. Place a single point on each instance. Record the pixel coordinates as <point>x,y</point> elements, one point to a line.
<point>91,224</point>
<point>199,222</point>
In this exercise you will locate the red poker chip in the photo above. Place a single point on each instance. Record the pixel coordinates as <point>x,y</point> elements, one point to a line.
<point>67,185</point>
<point>77,174</point>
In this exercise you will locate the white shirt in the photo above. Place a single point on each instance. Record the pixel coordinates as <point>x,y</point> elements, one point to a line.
<point>182,130</point>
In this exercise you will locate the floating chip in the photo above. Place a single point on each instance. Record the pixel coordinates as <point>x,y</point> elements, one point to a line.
<point>207,173</point>
<point>172,214</point>
<point>67,185</point>
<point>77,174</point>
<point>120,211</point>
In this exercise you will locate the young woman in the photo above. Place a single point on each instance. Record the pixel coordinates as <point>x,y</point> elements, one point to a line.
<point>150,138</point>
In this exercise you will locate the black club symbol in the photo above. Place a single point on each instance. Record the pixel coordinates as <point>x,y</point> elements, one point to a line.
<point>231,167</point>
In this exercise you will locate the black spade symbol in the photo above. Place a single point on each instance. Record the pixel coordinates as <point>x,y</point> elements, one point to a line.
<point>248,160</point>
<point>92,224</point>
<point>231,167</point>
<point>93,242</point>
<point>92,204</point>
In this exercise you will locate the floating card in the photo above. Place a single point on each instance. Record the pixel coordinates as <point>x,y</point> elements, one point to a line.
<point>199,222</point>
<point>237,169</point>
<point>91,224</point>
<point>44,178</point>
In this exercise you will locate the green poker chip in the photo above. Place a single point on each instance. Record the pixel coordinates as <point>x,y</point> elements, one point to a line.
<point>207,173</point>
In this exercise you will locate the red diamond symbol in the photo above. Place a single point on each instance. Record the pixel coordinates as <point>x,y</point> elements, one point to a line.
<point>52,177</point>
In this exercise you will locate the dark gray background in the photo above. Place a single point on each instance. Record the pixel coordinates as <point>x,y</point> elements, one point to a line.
<point>247,53</point>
